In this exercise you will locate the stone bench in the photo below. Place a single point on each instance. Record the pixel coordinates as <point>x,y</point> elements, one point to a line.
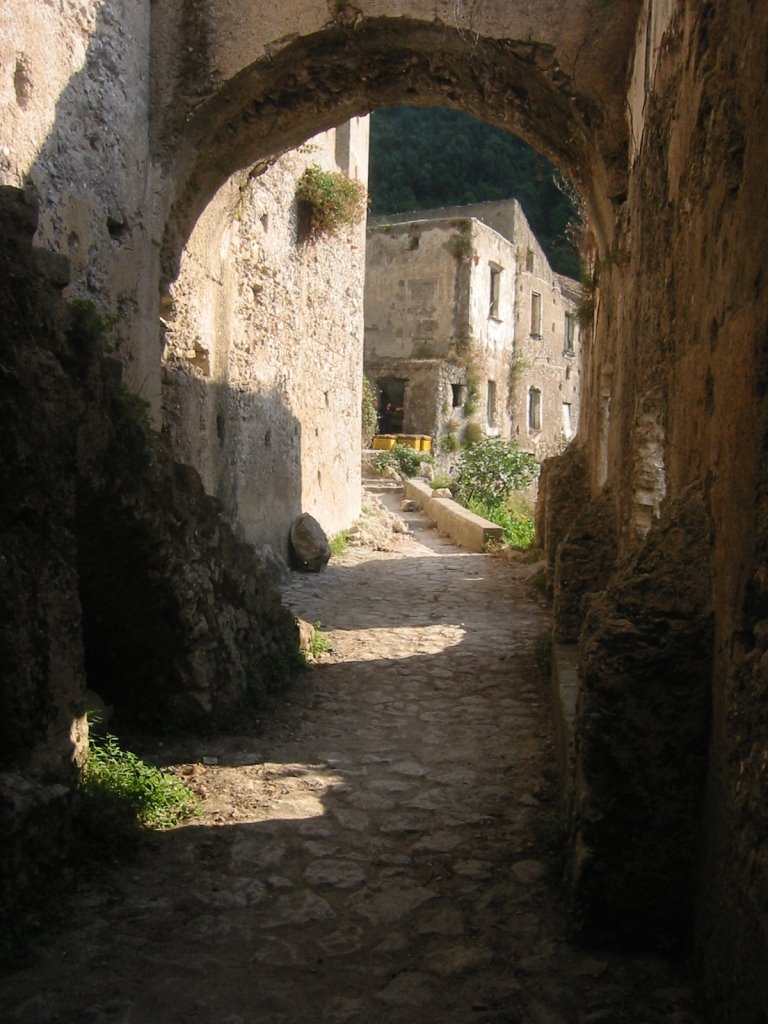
<point>464,527</point>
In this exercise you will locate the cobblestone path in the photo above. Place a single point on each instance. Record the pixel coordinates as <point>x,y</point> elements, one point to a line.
<point>387,854</point>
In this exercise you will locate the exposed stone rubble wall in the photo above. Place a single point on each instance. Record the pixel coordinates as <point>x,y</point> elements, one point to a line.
<point>672,741</point>
<point>583,562</point>
<point>117,570</point>
<point>641,739</point>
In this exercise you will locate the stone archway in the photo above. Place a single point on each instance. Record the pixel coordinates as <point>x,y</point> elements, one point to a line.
<point>657,109</point>
<point>537,85</point>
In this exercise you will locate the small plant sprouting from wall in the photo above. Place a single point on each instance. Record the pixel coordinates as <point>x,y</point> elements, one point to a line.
<point>470,403</point>
<point>461,246</point>
<point>329,201</point>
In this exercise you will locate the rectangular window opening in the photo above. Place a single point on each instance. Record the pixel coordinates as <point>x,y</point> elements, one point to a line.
<point>567,421</point>
<point>536,314</point>
<point>493,305</point>
<point>491,403</point>
<point>570,334</point>
<point>458,395</point>
<point>534,409</point>
<point>529,261</point>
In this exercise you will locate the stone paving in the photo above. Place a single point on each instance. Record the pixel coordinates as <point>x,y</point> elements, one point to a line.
<point>387,853</point>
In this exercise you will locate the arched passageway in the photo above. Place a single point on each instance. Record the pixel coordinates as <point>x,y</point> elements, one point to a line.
<point>655,520</point>
<point>322,79</point>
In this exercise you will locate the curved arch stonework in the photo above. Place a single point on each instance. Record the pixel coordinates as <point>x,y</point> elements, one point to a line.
<point>523,73</point>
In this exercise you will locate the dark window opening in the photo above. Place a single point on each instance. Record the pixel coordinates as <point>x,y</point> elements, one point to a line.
<point>493,305</point>
<point>534,409</point>
<point>391,404</point>
<point>536,314</point>
<point>491,403</point>
<point>570,334</point>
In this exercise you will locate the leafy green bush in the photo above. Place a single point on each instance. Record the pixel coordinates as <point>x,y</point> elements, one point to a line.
<point>369,417</point>
<point>329,200</point>
<point>443,480</point>
<point>491,469</point>
<point>519,530</point>
<point>403,458</point>
<point>122,789</point>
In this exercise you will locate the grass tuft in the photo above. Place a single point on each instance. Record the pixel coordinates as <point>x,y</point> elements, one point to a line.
<point>120,790</point>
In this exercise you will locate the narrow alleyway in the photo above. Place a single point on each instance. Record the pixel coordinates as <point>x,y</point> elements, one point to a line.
<point>387,853</point>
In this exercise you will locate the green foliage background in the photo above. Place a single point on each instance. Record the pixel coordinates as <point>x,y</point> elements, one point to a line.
<point>425,158</point>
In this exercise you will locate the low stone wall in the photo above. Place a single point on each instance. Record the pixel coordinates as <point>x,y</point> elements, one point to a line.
<point>467,529</point>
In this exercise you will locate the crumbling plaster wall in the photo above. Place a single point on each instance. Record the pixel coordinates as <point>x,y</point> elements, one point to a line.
<point>74,116</point>
<point>415,280</point>
<point>263,356</point>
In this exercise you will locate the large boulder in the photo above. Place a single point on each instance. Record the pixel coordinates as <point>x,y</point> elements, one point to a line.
<point>309,544</point>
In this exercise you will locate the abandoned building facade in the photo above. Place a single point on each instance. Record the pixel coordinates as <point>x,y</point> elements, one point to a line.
<point>466,323</point>
<point>119,124</point>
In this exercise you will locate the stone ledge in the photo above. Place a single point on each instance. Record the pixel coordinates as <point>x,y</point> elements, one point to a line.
<point>470,531</point>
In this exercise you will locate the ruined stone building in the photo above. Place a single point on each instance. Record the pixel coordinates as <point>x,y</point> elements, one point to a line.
<point>465,322</point>
<point>120,124</point>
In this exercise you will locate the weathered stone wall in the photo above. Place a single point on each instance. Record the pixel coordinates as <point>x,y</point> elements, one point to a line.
<point>74,119</point>
<point>263,354</point>
<point>543,360</point>
<point>675,402</point>
<point>417,289</point>
<point>118,572</point>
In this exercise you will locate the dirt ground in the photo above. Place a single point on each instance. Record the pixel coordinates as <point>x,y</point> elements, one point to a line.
<point>386,851</point>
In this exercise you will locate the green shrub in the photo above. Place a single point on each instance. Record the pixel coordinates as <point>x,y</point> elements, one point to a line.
<point>519,530</point>
<point>450,443</point>
<point>369,420</point>
<point>491,469</point>
<point>329,200</point>
<point>442,481</point>
<point>320,644</point>
<point>120,789</point>
<point>473,433</point>
<point>403,458</point>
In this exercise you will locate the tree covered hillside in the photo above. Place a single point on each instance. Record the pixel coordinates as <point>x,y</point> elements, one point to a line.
<point>427,157</point>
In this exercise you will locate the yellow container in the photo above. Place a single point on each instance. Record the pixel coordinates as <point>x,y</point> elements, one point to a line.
<point>383,442</point>
<point>411,440</point>
<point>426,443</point>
